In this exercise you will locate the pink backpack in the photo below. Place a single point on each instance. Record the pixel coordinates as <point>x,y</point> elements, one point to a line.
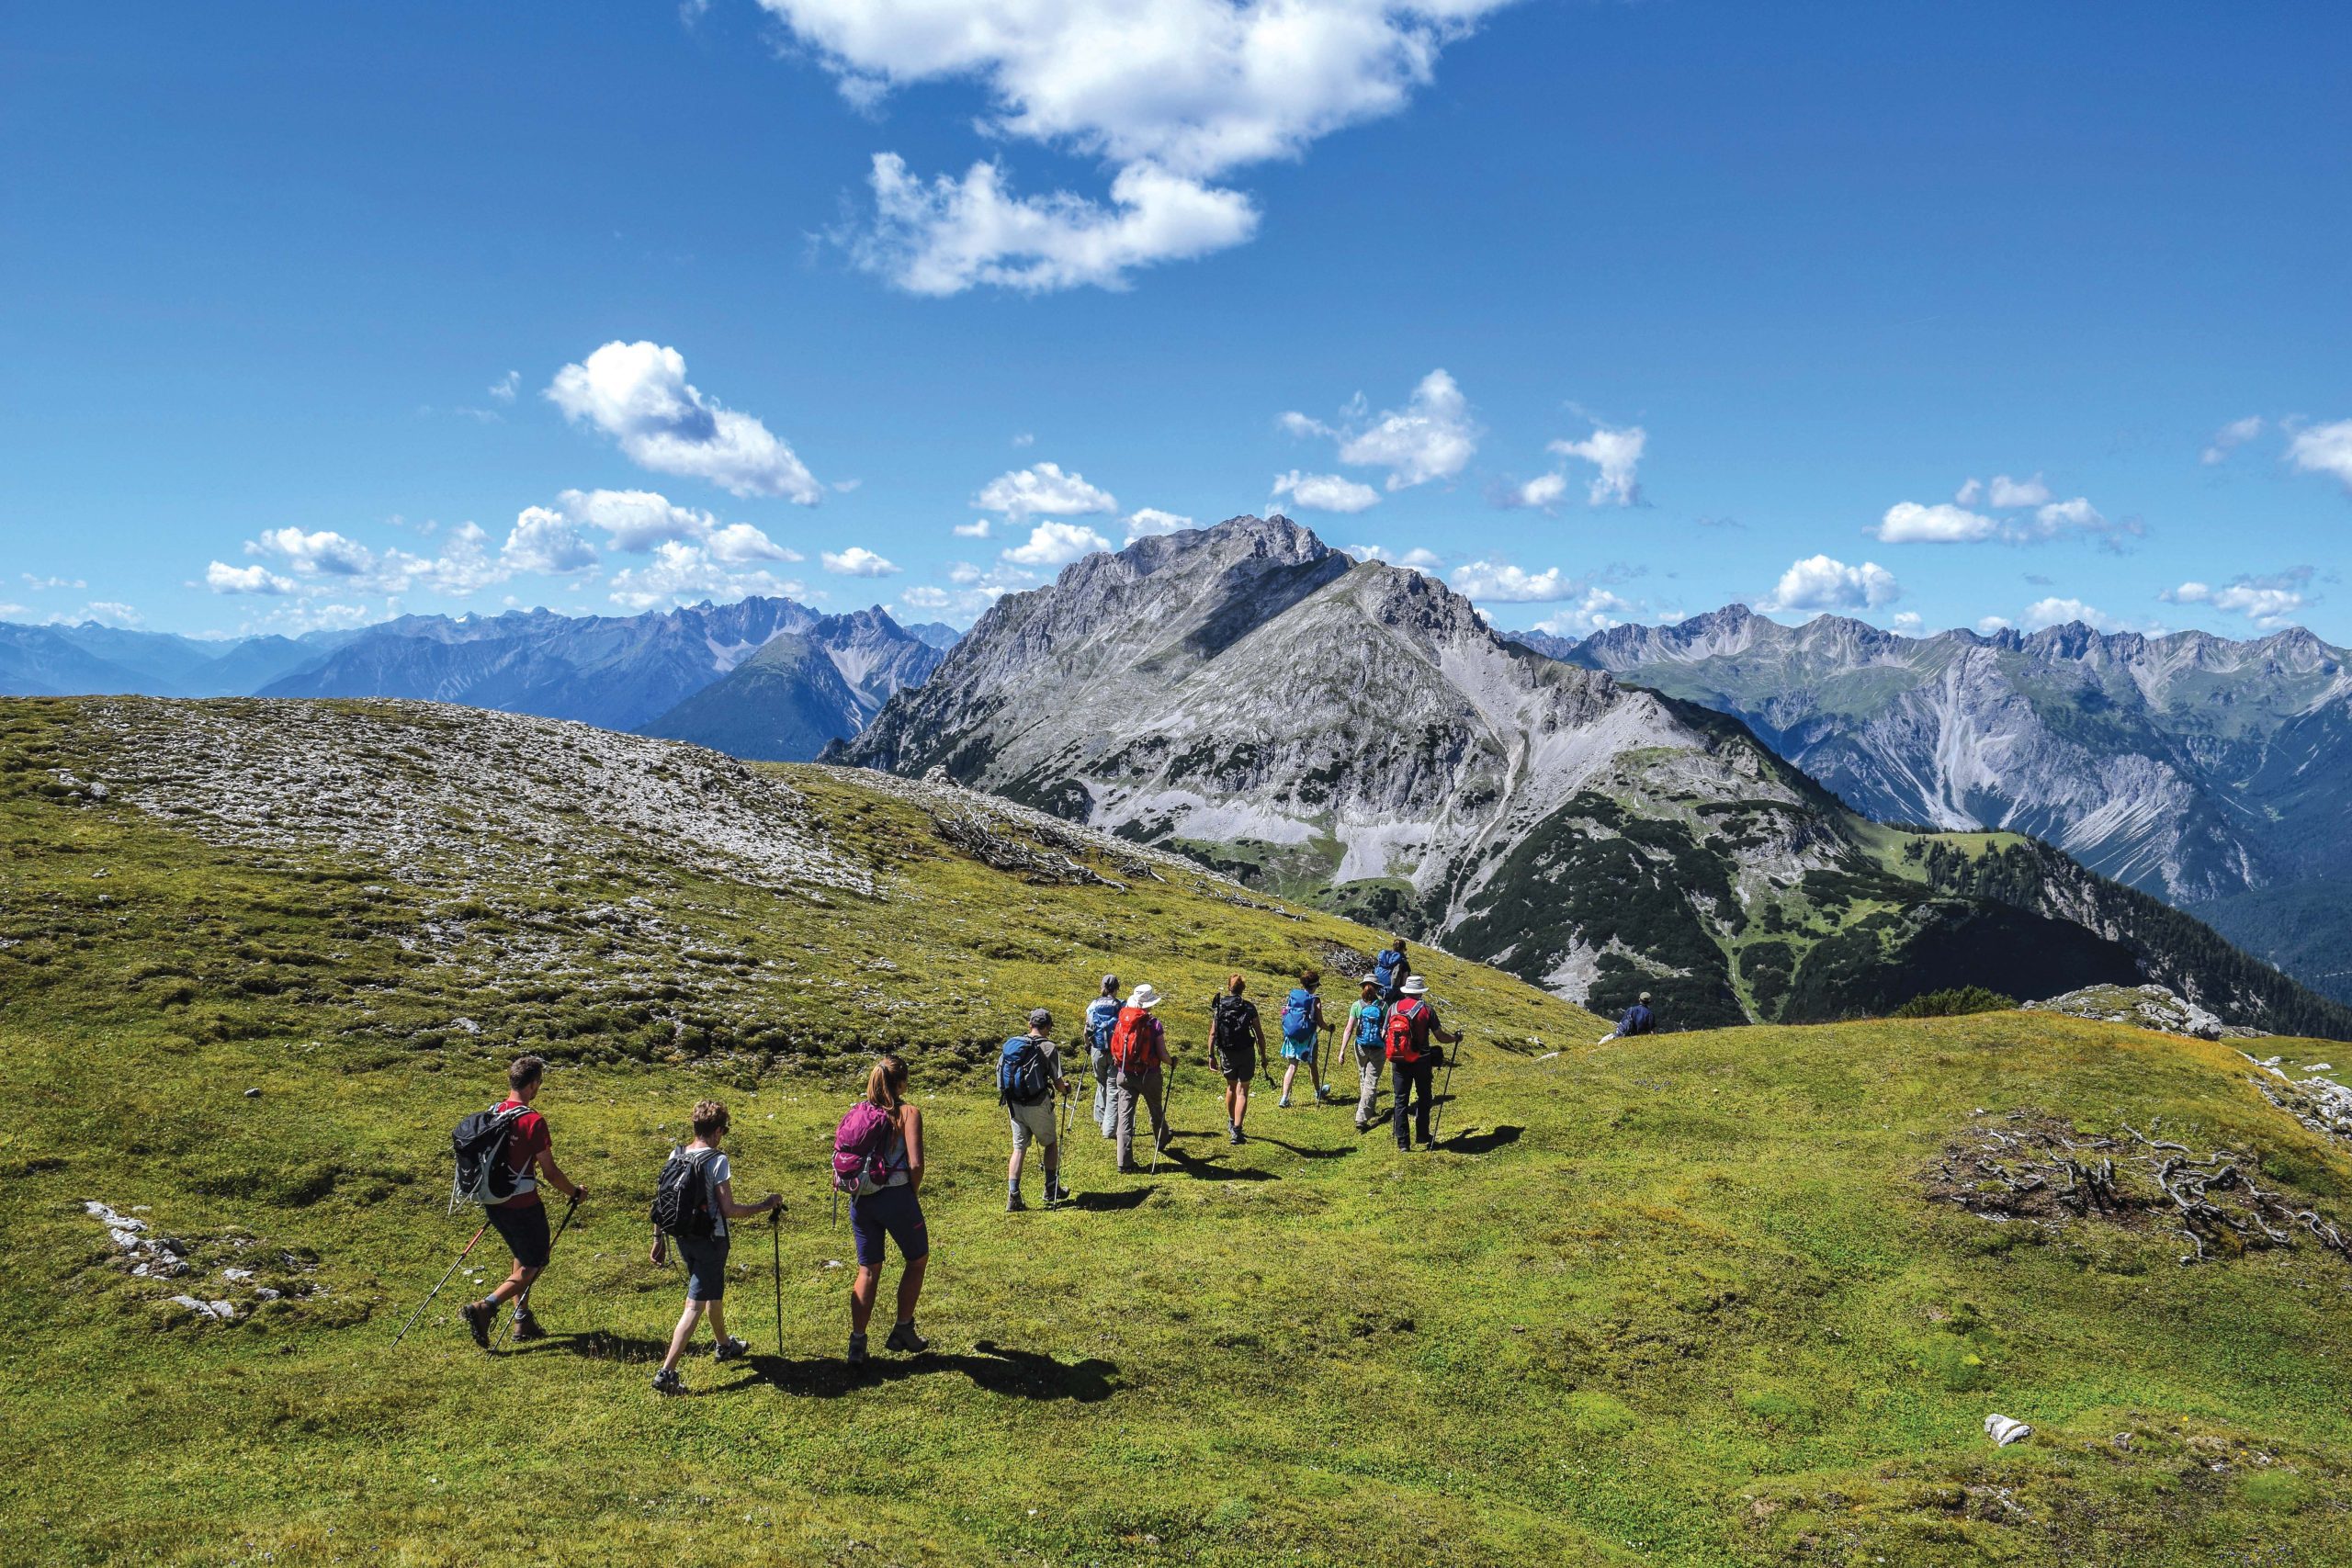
<point>862,1146</point>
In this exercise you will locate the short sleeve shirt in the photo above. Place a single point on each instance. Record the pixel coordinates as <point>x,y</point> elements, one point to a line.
<point>529,1140</point>
<point>717,1173</point>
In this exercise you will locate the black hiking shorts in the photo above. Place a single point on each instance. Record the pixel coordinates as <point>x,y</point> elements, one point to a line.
<point>1238,1065</point>
<point>525,1231</point>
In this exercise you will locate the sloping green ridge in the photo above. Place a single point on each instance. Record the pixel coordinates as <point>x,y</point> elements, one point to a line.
<point>1678,1300</point>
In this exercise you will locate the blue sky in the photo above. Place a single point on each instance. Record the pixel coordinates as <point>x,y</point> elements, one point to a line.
<point>1926,313</point>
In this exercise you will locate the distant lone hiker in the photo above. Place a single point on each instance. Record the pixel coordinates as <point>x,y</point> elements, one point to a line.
<point>1102,1017</point>
<point>699,1187</point>
<point>1639,1020</point>
<point>522,1219</point>
<point>1139,1055</point>
<point>1390,968</point>
<point>1302,1026</point>
<point>1412,1062</point>
<point>1235,1040</point>
<point>1029,1081</point>
<point>881,1137</point>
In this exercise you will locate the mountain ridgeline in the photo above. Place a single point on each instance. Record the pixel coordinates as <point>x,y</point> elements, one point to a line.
<point>764,678</point>
<point>1355,733</point>
<point>2215,774</point>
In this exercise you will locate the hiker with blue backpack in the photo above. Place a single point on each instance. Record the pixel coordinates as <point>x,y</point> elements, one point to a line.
<point>1235,1043</point>
<point>877,1160</point>
<point>1028,1079</point>
<point>1367,1021</point>
<point>1301,1028</point>
<point>692,1200</point>
<point>1102,1017</point>
<point>1390,968</point>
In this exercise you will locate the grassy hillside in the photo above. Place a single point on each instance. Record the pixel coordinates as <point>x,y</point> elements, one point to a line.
<point>1701,1299</point>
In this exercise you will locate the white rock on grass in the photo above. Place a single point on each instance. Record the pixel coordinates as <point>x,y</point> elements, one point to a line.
<point>219,1312</point>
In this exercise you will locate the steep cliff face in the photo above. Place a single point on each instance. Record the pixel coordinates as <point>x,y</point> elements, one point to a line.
<point>1355,733</point>
<point>2197,768</point>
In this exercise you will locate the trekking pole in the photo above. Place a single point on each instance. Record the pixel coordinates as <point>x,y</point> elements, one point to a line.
<point>776,1269</point>
<point>1452,1056</point>
<point>436,1289</point>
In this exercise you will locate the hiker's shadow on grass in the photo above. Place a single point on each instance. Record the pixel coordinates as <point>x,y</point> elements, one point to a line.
<point>1303,1154</point>
<point>1022,1374</point>
<point>1482,1143</point>
<point>1207,1167</point>
<point>598,1345</point>
<point>1109,1202</point>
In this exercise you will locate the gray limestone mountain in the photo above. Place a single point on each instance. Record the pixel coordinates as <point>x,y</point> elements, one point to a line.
<point>1355,733</point>
<point>2214,774</point>
<point>802,690</point>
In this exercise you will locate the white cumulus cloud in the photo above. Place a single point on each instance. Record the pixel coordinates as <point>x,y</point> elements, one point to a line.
<point>680,573</point>
<point>1513,585</point>
<point>1542,492</point>
<point>1819,583</point>
<point>2005,494</point>
<point>1432,438</point>
<point>638,394</point>
<point>2269,602</point>
<point>1148,520</point>
<point>1173,94</point>
<point>1055,544</point>
<point>1324,492</point>
<point>1414,559</point>
<point>1595,610</point>
<point>1910,523</point>
<point>2056,611</point>
<point>1042,489</point>
<point>2323,449</point>
<point>978,528</point>
<point>546,542</point>
<point>1615,454</point>
<point>856,561</point>
<point>223,578</point>
<point>2229,438</point>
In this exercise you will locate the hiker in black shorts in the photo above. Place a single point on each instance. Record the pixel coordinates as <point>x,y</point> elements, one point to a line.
<point>1236,1039</point>
<point>521,1221</point>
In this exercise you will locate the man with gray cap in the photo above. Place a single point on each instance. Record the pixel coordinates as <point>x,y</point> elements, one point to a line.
<point>1102,1017</point>
<point>1639,1020</point>
<point>1028,1079</point>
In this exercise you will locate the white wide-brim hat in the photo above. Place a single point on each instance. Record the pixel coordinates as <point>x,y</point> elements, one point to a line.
<point>1415,985</point>
<point>1142,996</point>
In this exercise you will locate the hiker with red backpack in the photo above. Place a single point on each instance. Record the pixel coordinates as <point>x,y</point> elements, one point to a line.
<point>877,1160</point>
<point>1139,1057</point>
<point>1412,1059</point>
<point>692,1201</point>
<point>1028,1077</point>
<point>520,1218</point>
<point>1236,1042</point>
<point>1301,1028</point>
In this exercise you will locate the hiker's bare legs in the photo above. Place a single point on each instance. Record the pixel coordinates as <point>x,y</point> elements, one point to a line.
<point>1013,1170</point>
<point>1289,1072</point>
<point>684,1331</point>
<point>516,1284</point>
<point>910,1288</point>
<point>861,1297</point>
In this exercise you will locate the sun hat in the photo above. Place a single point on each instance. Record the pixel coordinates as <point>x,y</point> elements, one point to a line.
<point>1646,996</point>
<point>1369,980</point>
<point>1039,1018</point>
<point>1143,996</point>
<point>1415,985</point>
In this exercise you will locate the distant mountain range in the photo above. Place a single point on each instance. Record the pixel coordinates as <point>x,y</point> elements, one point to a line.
<point>670,673</point>
<point>1355,733</point>
<point>2214,774</point>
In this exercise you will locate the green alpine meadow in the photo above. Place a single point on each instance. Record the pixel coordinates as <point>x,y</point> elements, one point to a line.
<point>1739,1296</point>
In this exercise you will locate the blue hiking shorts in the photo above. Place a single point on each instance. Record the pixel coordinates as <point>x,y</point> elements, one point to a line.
<point>891,1212</point>
<point>706,1260</point>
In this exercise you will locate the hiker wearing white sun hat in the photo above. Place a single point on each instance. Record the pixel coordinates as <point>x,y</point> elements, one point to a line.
<point>1139,1059</point>
<point>1412,1063</point>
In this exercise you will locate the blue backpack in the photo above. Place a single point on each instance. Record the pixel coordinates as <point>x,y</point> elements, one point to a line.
<point>1021,1075</point>
<point>1384,967</point>
<point>1369,1024</point>
<point>1101,1018</point>
<point>1298,1014</point>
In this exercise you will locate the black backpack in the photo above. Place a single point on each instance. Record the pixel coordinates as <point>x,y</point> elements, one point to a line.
<point>1021,1075</point>
<point>682,1197</point>
<point>484,1176</point>
<point>1230,1030</point>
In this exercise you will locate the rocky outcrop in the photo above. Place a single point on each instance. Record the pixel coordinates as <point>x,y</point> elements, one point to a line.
<point>2145,1006</point>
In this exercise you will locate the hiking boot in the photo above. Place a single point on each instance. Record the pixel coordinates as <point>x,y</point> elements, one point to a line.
<point>1283,1103</point>
<point>1363,1125</point>
<point>478,1317</point>
<point>1013,1203</point>
<point>904,1340</point>
<point>731,1349</point>
<point>1128,1167</point>
<point>856,1350</point>
<point>667,1382</point>
<point>526,1327</point>
<point>1055,1193</point>
<point>1233,1133</point>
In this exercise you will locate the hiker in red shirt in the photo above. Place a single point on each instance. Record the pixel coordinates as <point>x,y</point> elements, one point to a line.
<point>1412,1060</point>
<point>522,1221</point>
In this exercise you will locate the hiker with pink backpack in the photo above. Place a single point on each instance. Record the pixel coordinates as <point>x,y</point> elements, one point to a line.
<point>877,1160</point>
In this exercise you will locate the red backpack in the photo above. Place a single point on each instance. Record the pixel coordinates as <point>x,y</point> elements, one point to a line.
<point>1131,1048</point>
<point>1409,1025</point>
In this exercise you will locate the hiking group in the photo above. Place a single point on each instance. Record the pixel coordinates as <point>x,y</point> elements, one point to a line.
<point>504,1154</point>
